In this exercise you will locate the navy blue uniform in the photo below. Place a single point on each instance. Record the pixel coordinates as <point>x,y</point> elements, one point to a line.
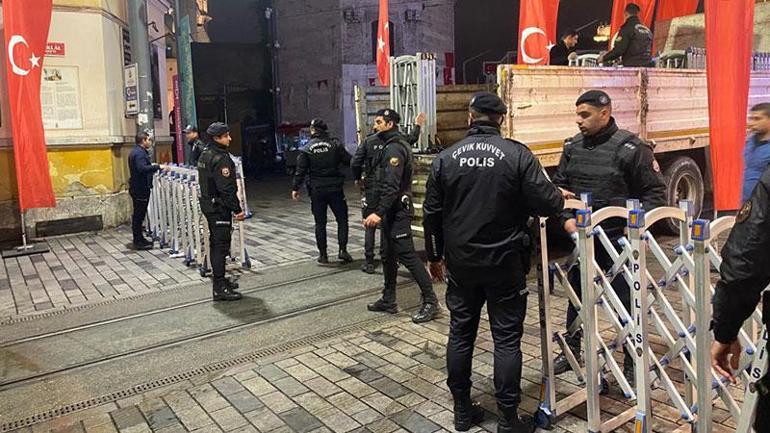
<point>141,170</point>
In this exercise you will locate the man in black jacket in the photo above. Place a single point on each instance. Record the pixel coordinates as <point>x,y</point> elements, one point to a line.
<point>364,165</point>
<point>320,161</point>
<point>479,195</point>
<point>633,43</point>
<point>394,217</point>
<point>561,51</point>
<point>612,165</point>
<point>744,274</point>
<point>219,202</point>
<point>196,144</point>
<point>141,170</point>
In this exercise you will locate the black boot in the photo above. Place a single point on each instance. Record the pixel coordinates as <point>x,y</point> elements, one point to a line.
<point>322,257</point>
<point>368,268</point>
<point>344,255</point>
<point>560,363</point>
<point>515,423</point>
<point>232,285</point>
<point>383,306</point>
<point>428,311</point>
<point>467,413</point>
<point>223,292</point>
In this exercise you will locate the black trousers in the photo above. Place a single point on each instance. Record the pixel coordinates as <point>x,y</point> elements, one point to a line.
<point>502,291</point>
<point>319,202</point>
<point>397,246</point>
<point>605,262</point>
<point>369,237</point>
<point>140,200</point>
<point>220,232</point>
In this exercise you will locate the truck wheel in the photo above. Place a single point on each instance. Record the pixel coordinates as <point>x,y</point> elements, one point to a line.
<point>684,181</point>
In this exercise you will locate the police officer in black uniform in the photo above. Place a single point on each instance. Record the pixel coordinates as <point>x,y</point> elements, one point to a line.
<point>219,202</point>
<point>364,164</point>
<point>613,165</point>
<point>196,144</point>
<point>479,196</point>
<point>393,214</point>
<point>744,274</point>
<point>141,170</point>
<point>634,41</point>
<point>321,161</point>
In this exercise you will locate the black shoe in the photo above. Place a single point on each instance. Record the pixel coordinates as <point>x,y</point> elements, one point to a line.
<point>516,424</point>
<point>323,259</point>
<point>223,292</point>
<point>345,256</point>
<point>383,307</point>
<point>368,268</point>
<point>560,364</point>
<point>467,414</point>
<point>142,245</point>
<point>427,312</point>
<point>232,285</point>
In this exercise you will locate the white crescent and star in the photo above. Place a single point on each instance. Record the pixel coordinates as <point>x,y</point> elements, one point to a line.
<point>34,60</point>
<point>526,33</point>
<point>380,42</point>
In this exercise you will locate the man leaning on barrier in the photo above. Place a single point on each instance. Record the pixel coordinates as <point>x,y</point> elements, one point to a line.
<point>141,170</point>
<point>744,275</point>
<point>613,165</point>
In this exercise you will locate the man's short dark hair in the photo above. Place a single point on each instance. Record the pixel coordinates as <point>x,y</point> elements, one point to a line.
<point>633,9</point>
<point>141,136</point>
<point>388,115</point>
<point>569,32</point>
<point>764,108</point>
<point>478,116</point>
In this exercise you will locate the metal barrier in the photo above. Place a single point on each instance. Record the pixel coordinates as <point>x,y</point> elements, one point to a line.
<point>412,91</point>
<point>659,281</point>
<point>175,220</point>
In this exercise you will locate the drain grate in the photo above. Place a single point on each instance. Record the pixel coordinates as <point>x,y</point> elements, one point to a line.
<point>207,369</point>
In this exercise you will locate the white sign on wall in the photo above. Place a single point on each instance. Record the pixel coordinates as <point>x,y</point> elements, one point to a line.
<point>131,89</point>
<point>60,98</point>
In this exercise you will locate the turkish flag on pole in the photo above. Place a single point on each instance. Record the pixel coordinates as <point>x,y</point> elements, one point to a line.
<point>26,32</point>
<point>537,31</point>
<point>728,73</point>
<point>618,18</point>
<point>383,45</point>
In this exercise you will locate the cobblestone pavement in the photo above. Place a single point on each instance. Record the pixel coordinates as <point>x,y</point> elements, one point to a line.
<point>388,378</point>
<point>93,267</point>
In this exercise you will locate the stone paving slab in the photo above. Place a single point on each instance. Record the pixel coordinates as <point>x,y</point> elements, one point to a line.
<point>387,378</point>
<point>88,268</point>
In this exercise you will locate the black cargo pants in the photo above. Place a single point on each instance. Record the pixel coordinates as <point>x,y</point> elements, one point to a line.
<point>319,202</point>
<point>220,233</point>
<point>397,246</point>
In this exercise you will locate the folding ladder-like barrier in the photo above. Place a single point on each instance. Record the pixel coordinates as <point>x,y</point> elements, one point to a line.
<point>656,283</point>
<point>413,91</point>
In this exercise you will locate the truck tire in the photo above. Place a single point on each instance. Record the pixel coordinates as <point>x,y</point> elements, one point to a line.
<point>684,181</point>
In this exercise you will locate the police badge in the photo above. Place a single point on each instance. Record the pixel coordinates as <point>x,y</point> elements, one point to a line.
<point>744,213</point>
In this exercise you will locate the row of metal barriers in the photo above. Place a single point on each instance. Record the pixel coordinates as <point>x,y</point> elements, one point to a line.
<point>667,329</point>
<point>175,221</point>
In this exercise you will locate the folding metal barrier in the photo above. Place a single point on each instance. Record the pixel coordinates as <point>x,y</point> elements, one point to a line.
<point>412,91</point>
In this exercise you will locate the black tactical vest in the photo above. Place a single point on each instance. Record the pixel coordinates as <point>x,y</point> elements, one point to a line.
<point>323,154</point>
<point>206,163</point>
<point>639,52</point>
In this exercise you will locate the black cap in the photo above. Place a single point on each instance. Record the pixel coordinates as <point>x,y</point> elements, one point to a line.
<point>596,98</point>
<point>189,128</point>
<point>488,103</point>
<point>389,115</point>
<point>318,124</point>
<point>217,129</point>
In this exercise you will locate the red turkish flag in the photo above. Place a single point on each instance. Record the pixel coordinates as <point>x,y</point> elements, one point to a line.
<point>537,31</point>
<point>383,45</point>
<point>26,32</point>
<point>728,73</point>
<point>618,8</point>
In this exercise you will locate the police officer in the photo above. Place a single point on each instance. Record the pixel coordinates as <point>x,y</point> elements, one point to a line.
<point>364,164</point>
<point>196,144</point>
<point>479,195</point>
<point>141,170</point>
<point>321,161</point>
<point>634,41</point>
<point>393,214</point>
<point>613,165</point>
<point>744,274</point>
<point>219,202</point>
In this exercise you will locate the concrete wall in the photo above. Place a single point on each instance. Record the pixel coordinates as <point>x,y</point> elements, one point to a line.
<point>689,31</point>
<point>87,164</point>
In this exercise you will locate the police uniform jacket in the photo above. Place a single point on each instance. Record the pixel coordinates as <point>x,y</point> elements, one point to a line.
<point>745,269</point>
<point>141,170</point>
<point>394,175</point>
<point>368,154</point>
<point>216,176</point>
<point>634,44</point>
<point>479,195</point>
<point>613,166</point>
<point>320,161</point>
